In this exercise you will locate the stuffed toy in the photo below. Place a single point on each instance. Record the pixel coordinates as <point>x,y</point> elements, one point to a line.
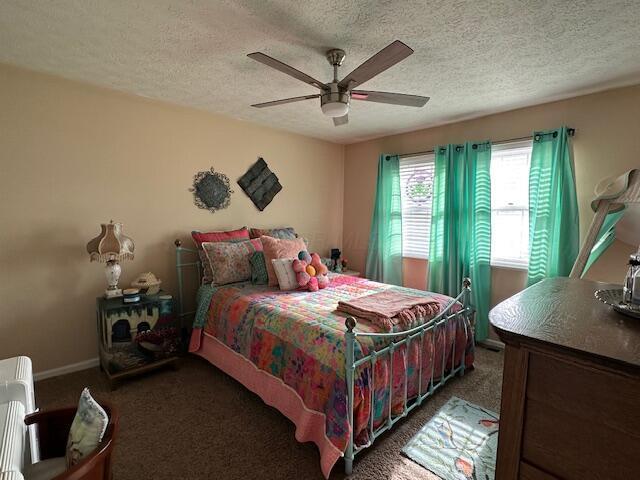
<point>311,273</point>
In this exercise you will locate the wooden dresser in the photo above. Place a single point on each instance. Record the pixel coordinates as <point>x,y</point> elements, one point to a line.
<point>571,386</point>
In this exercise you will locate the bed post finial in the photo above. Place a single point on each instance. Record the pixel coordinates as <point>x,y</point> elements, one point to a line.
<point>178,243</point>
<point>350,323</point>
<point>466,283</point>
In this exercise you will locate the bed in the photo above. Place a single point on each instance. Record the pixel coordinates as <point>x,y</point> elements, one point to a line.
<point>330,374</point>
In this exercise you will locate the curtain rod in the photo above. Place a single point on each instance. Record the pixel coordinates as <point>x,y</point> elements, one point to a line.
<point>570,131</point>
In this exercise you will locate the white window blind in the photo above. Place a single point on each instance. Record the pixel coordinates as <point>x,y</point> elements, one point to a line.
<point>416,185</point>
<point>510,204</point>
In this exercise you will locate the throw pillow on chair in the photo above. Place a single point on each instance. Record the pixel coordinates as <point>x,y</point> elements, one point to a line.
<point>87,429</point>
<point>89,443</point>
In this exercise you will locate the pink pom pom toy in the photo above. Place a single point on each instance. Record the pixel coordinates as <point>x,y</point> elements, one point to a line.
<point>303,279</point>
<point>299,265</point>
<point>315,260</point>
<point>311,273</point>
<point>323,281</point>
<point>304,256</point>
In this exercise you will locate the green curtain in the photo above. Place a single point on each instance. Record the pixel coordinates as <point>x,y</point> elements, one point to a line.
<point>554,234</point>
<point>384,257</point>
<point>606,236</point>
<point>460,243</point>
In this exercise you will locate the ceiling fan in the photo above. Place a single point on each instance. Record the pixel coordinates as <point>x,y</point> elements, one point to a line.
<point>336,96</point>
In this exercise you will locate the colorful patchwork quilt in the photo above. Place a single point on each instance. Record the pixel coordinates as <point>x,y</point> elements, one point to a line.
<point>299,338</point>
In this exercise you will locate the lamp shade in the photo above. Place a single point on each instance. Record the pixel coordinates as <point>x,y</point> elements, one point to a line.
<point>111,244</point>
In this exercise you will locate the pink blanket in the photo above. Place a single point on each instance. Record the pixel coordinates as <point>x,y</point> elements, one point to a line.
<point>389,308</point>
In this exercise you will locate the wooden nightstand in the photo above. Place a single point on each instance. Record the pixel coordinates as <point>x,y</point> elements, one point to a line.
<point>118,325</point>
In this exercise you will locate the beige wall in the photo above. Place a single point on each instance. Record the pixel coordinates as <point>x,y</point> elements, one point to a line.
<point>72,156</point>
<point>612,266</point>
<point>414,273</point>
<point>607,142</point>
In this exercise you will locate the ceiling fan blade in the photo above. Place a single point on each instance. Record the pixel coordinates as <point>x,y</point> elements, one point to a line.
<point>284,68</point>
<point>392,98</point>
<point>286,100</point>
<point>337,121</point>
<point>384,59</point>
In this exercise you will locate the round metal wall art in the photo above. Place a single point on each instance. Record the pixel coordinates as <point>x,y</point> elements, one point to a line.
<point>211,190</point>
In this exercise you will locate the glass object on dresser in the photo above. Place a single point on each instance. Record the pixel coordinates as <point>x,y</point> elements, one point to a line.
<point>631,286</point>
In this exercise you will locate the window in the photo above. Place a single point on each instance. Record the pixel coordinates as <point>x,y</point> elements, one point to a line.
<point>416,185</point>
<point>510,204</point>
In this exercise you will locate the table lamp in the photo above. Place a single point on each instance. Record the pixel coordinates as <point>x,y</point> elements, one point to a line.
<point>111,246</point>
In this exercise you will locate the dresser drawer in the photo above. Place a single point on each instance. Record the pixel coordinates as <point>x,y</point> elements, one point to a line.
<point>529,472</point>
<point>580,422</point>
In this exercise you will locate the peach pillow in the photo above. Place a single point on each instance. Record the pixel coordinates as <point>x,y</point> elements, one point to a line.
<point>279,248</point>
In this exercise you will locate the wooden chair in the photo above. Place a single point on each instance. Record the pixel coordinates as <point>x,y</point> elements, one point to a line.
<point>53,429</point>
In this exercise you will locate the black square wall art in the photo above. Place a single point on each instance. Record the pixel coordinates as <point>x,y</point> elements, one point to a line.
<point>260,184</point>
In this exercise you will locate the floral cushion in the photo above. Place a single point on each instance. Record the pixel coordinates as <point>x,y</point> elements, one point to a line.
<point>287,233</point>
<point>230,262</point>
<point>87,429</point>
<point>258,269</point>
<point>279,248</point>
<point>199,238</point>
<point>285,274</point>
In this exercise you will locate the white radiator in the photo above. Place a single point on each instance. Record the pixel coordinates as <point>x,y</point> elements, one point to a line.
<point>17,444</point>
<point>12,436</point>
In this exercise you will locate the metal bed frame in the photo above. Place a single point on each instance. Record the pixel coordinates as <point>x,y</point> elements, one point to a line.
<point>396,340</point>
<point>180,264</point>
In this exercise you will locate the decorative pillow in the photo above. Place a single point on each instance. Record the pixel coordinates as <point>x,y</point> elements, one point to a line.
<point>87,429</point>
<point>199,238</point>
<point>286,233</point>
<point>230,262</point>
<point>258,269</point>
<point>220,236</point>
<point>311,273</point>
<point>279,248</point>
<point>285,274</point>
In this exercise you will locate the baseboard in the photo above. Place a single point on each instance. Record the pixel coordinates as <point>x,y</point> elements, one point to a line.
<point>492,344</point>
<point>74,367</point>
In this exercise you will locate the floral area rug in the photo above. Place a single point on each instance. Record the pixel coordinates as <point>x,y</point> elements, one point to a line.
<point>458,443</point>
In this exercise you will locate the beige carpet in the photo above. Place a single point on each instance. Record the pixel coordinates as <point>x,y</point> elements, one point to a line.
<point>195,422</point>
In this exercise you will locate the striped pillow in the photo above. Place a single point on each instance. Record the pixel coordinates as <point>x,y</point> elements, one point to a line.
<point>284,271</point>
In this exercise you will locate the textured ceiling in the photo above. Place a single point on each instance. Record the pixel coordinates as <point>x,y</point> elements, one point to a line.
<point>471,57</point>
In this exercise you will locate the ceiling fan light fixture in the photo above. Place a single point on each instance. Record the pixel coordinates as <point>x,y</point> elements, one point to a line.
<point>335,109</point>
<point>335,104</point>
